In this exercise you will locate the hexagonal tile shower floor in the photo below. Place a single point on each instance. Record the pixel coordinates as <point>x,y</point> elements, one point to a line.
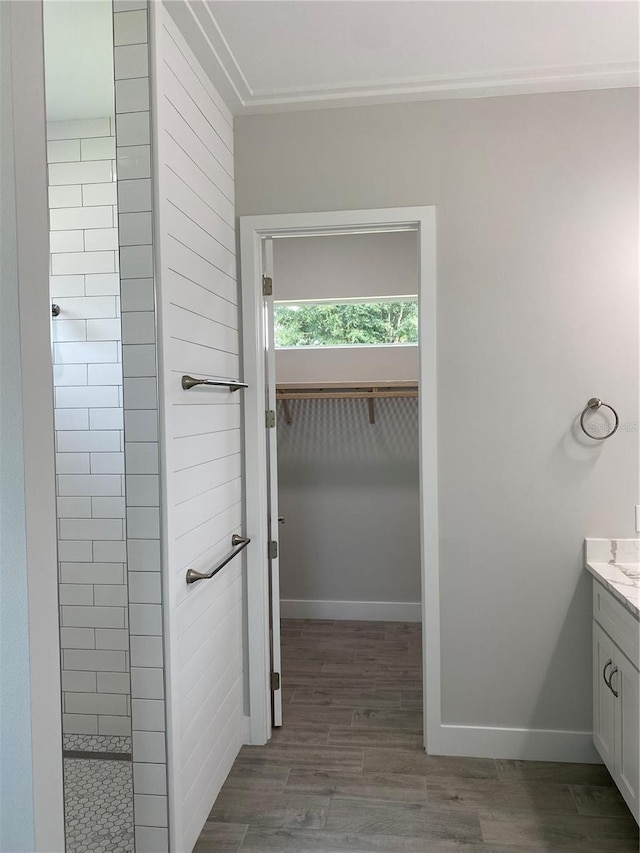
<point>98,806</point>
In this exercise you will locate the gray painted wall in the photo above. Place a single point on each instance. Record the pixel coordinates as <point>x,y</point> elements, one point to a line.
<point>537,205</point>
<point>349,493</point>
<point>346,266</point>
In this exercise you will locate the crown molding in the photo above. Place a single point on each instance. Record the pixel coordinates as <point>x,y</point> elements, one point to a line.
<point>193,18</point>
<point>218,60</point>
<point>512,82</point>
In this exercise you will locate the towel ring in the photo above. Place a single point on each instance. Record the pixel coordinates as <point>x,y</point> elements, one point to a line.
<point>592,406</point>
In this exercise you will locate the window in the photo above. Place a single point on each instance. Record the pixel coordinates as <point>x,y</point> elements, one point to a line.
<point>346,322</point>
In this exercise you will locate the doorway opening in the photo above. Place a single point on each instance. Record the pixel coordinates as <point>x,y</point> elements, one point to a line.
<point>370,383</point>
<point>86,222</point>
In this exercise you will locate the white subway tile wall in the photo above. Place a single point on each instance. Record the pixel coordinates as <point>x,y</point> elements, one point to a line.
<point>133,157</point>
<point>89,428</point>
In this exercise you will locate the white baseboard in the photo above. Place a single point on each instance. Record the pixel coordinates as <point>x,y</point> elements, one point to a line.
<point>519,744</point>
<point>379,611</point>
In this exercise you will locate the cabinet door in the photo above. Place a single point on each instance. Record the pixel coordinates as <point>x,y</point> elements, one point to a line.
<point>603,698</point>
<point>626,682</point>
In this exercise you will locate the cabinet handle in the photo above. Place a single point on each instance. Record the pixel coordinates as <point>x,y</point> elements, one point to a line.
<point>604,672</point>
<point>611,687</point>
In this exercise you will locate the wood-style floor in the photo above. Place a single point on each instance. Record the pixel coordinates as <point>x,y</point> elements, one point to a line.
<point>347,774</point>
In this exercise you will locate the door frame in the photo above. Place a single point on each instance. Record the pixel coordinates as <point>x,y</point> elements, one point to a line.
<point>253,229</point>
<point>27,98</point>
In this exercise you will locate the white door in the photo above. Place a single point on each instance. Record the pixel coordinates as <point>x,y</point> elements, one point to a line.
<point>272,487</point>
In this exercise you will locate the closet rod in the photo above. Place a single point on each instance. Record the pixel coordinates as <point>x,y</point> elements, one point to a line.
<point>371,394</point>
<point>345,391</point>
<point>354,385</point>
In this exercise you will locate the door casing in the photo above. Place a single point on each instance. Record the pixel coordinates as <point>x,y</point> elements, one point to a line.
<point>253,229</point>
<point>25,92</point>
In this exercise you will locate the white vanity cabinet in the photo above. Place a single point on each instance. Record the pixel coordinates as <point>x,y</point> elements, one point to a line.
<point>616,692</point>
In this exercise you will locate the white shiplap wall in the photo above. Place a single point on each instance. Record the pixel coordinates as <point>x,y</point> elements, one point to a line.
<point>202,444</point>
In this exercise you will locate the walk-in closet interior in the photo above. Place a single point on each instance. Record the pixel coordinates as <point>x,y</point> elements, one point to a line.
<point>347,429</point>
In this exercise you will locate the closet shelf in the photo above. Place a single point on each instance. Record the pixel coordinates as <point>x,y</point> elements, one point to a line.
<point>369,391</point>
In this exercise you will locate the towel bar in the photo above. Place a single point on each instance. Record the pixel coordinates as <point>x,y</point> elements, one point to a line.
<point>233,385</point>
<point>239,543</point>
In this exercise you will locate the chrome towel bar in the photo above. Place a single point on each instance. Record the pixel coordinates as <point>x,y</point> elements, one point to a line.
<point>592,406</point>
<point>239,543</point>
<point>231,384</point>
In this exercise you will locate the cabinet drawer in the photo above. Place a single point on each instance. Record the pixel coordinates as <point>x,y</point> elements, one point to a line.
<point>619,624</point>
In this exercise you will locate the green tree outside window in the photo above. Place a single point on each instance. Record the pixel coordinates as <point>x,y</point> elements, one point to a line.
<point>335,324</point>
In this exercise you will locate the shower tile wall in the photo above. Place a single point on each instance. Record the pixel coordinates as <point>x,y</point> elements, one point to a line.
<point>89,434</point>
<point>133,147</point>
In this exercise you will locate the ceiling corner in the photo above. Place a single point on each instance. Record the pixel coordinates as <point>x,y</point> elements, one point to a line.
<point>200,28</point>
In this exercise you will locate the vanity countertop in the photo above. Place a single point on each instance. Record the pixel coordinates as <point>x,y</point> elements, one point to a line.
<point>615,563</point>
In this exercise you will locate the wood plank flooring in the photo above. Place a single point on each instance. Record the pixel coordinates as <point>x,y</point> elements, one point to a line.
<point>346,773</point>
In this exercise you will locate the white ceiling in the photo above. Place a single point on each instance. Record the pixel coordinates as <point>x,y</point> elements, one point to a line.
<point>274,55</point>
<point>78,59</point>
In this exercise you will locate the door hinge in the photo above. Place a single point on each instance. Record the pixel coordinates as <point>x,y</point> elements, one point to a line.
<point>272,549</point>
<point>270,419</point>
<point>275,681</point>
<point>267,285</point>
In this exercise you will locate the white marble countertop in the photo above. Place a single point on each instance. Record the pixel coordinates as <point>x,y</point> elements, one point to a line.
<point>615,563</point>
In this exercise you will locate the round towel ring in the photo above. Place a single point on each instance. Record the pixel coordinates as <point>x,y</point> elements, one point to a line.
<point>593,405</point>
